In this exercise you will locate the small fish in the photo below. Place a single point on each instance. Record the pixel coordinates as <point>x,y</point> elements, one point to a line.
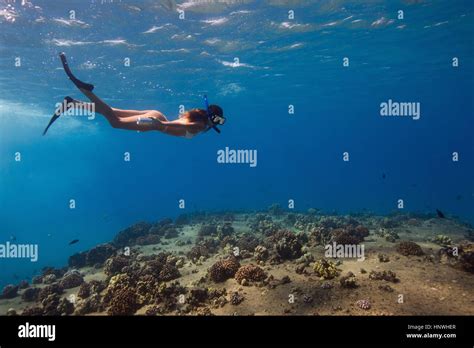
<point>73,241</point>
<point>458,197</point>
<point>13,238</point>
<point>440,214</point>
<point>383,176</point>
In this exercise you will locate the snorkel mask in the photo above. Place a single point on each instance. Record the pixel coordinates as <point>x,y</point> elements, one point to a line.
<point>214,119</point>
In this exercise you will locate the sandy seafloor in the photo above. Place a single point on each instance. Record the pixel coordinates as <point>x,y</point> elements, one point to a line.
<point>431,284</point>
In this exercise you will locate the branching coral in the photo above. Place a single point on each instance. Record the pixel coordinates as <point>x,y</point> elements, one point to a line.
<point>326,269</point>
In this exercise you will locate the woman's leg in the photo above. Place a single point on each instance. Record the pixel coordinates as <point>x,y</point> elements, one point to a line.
<point>129,113</point>
<point>118,118</point>
<point>118,112</point>
<point>102,108</point>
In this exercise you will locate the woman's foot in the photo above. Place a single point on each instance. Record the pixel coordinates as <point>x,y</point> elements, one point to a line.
<point>79,84</point>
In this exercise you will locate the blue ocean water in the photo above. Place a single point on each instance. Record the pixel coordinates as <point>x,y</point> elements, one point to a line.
<point>282,61</point>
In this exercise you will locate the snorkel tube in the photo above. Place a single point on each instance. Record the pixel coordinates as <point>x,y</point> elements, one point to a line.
<point>209,116</point>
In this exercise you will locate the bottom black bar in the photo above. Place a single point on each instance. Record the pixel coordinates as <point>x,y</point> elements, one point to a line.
<point>292,331</point>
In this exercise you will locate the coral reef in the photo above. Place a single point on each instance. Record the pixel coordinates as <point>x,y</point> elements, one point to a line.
<point>389,235</point>
<point>54,305</point>
<point>466,257</point>
<point>128,236</point>
<point>23,284</point>
<point>223,269</point>
<point>197,252</point>
<point>32,311</point>
<point>168,272</point>
<point>65,307</point>
<point>261,253</point>
<point>413,222</point>
<point>162,267</point>
<point>326,286</point>
<point>348,281</point>
<point>247,242</point>
<point>30,294</point>
<point>90,288</point>
<point>144,281</point>
<point>408,248</point>
<point>53,289</point>
<point>170,232</point>
<point>124,302</point>
<point>115,265</point>
<point>57,272</point>
<point>49,279</point>
<point>386,287</point>
<point>326,269</point>
<point>10,291</point>
<point>90,305</point>
<point>250,273</point>
<point>364,304</point>
<point>290,219</point>
<point>264,224</point>
<point>388,276</point>
<point>92,257</point>
<point>349,235</point>
<point>275,209</point>
<point>390,222</point>
<point>197,296</point>
<point>236,298</point>
<point>286,244</point>
<point>148,239</point>
<point>442,240</point>
<point>183,219</point>
<point>225,229</point>
<point>319,235</point>
<point>37,279</point>
<point>207,230</point>
<point>71,279</point>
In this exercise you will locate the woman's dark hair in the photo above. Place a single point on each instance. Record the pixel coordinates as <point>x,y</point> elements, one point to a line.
<point>216,110</point>
<point>200,115</point>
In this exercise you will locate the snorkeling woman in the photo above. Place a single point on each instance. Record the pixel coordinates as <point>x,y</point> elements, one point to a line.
<point>187,125</point>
